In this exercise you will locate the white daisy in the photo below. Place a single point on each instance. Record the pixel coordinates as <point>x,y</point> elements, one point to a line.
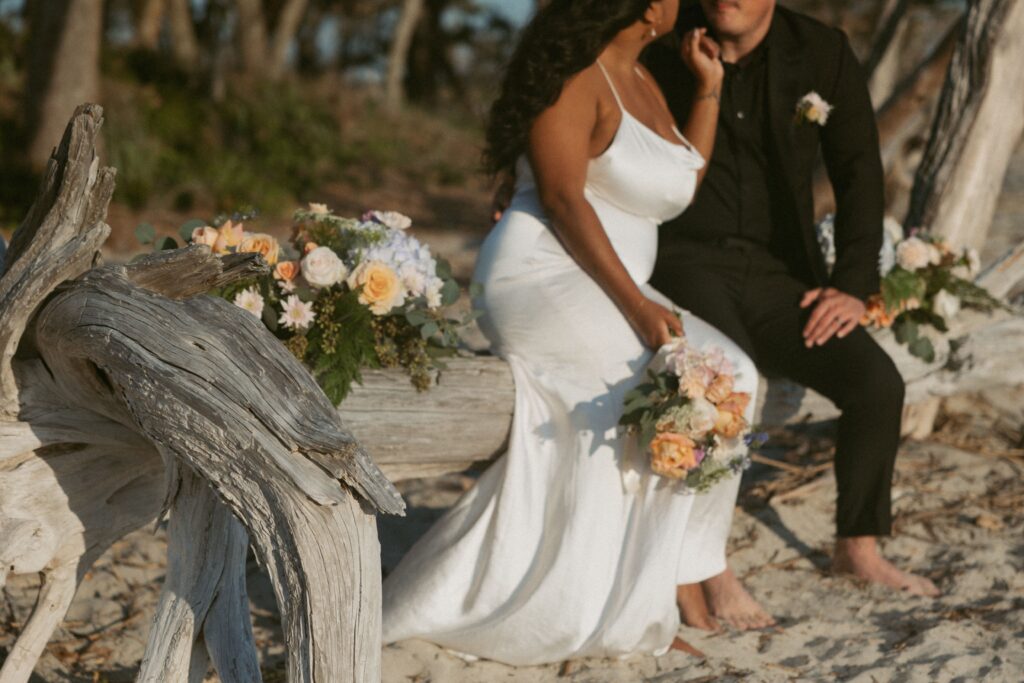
<point>251,300</point>
<point>297,314</point>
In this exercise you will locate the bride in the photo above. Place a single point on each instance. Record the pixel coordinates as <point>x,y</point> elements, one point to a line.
<point>551,556</point>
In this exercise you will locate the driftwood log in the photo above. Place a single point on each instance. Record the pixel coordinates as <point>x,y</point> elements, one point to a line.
<point>121,389</point>
<point>465,418</point>
<point>979,122</point>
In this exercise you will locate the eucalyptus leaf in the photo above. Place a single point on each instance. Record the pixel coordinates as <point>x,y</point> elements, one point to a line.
<point>449,292</point>
<point>429,330</point>
<point>145,233</point>
<point>905,330</point>
<point>188,227</point>
<point>923,349</point>
<point>165,244</point>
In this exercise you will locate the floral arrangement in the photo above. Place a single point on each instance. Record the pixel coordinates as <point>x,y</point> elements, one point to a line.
<point>689,418</point>
<point>925,283</point>
<point>344,293</point>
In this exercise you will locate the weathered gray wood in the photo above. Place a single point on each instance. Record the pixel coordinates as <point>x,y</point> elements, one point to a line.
<point>58,240</point>
<point>126,384</point>
<point>976,129</point>
<point>203,597</point>
<point>465,418</point>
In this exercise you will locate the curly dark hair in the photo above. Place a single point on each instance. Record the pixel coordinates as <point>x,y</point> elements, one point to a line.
<point>563,39</point>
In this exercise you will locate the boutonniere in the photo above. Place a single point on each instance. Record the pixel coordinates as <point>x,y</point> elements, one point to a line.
<point>813,109</point>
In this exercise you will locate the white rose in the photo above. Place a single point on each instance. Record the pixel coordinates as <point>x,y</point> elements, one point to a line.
<point>318,209</point>
<point>702,419</point>
<point>913,254</point>
<point>945,304</point>
<point>392,219</point>
<point>322,268</point>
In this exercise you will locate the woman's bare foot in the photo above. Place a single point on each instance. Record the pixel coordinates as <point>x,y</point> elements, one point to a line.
<point>730,602</point>
<point>859,556</point>
<point>693,609</point>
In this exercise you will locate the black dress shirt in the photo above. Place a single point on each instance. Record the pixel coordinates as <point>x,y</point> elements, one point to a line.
<point>735,199</point>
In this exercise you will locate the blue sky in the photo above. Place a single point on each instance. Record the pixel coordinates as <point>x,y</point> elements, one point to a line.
<point>516,10</point>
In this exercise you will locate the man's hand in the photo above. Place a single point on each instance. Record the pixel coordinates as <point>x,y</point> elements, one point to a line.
<point>835,314</point>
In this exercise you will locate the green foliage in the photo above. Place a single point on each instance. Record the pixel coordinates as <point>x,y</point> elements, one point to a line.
<point>901,285</point>
<point>341,343</point>
<point>266,145</point>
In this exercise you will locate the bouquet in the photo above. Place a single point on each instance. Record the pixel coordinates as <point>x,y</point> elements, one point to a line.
<point>345,293</point>
<point>924,283</point>
<point>688,417</point>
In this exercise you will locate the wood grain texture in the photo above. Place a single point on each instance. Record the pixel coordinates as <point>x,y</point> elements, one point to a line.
<point>464,420</point>
<point>124,386</point>
<point>976,128</point>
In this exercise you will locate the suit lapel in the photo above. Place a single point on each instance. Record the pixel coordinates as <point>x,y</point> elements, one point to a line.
<point>786,66</point>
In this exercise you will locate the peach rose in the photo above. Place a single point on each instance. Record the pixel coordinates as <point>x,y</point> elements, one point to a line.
<point>382,289</point>
<point>310,246</point>
<point>720,389</point>
<point>230,236</point>
<point>261,244</point>
<point>286,270</point>
<point>730,422</point>
<point>205,235</point>
<point>673,455</point>
<point>876,313</point>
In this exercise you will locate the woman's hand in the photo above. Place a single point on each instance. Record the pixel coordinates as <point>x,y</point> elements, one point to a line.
<point>701,56</point>
<point>655,324</point>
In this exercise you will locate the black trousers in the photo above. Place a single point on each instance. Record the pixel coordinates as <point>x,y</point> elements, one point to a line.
<point>751,297</point>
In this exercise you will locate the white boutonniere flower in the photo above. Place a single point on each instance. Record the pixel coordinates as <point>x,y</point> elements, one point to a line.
<point>813,109</point>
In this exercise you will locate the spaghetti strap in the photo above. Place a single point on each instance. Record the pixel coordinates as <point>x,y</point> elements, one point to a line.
<point>610,84</point>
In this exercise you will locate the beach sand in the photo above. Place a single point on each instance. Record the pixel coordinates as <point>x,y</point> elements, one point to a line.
<point>959,501</point>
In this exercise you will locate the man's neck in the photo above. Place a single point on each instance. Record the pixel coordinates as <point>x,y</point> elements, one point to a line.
<point>736,48</point>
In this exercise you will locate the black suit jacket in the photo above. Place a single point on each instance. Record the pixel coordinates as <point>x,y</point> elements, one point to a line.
<point>805,55</point>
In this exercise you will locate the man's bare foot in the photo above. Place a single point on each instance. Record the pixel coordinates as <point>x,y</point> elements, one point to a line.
<point>693,609</point>
<point>859,556</point>
<point>730,602</point>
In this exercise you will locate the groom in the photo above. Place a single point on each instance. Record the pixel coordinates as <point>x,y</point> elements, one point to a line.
<point>744,257</point>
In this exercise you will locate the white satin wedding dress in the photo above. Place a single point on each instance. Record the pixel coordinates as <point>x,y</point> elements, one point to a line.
<point>551,556</point>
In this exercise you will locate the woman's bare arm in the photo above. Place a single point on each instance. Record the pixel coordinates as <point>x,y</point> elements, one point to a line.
<point>701,55</point>
<point>562,142</point>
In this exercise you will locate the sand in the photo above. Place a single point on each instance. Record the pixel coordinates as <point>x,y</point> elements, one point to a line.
<point>959,500</point>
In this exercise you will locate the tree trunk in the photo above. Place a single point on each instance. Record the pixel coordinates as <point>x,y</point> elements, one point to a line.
<point>63,67</point>
<point>902,125</point>
<point>151,19</point>
<point>398,54</point>
<point>251,36</point>
<point>288,23</point>
<point>883,63</point>
<point>184,45</point>
<point>979,122</point>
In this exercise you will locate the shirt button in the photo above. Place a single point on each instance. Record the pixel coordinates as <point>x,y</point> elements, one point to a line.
<point>740,115</point>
